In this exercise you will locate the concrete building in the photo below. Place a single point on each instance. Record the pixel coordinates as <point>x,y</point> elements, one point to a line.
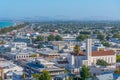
<point>18,46</point>
<point>7,68</point>
<point>38,65</point>
<point>90,57</point>
<point>17,55</point>
<point>47,52</point>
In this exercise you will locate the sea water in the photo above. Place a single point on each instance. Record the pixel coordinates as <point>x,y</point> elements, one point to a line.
<point>4,24</point>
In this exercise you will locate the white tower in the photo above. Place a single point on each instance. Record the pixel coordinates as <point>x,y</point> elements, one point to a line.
<point>89,50</point>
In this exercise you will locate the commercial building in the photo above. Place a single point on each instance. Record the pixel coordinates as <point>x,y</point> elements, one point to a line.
<point>7,69</point>
<point>38,65</point>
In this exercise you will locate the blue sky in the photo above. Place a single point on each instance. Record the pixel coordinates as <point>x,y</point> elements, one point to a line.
<point>69,8</point>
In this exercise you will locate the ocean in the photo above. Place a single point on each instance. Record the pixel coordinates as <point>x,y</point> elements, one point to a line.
<point>4,24</point>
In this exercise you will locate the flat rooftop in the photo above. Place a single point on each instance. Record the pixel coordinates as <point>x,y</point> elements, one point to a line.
<point>6,64</point>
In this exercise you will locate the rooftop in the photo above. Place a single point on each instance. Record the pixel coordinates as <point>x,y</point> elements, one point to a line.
<point>47,51</point>
<point>96,53</point>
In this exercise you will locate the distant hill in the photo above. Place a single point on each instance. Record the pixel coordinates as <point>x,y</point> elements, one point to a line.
<point>59,18</point>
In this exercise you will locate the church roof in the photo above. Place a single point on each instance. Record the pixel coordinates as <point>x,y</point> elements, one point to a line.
<point>96,53</point>
<point>103,53</point>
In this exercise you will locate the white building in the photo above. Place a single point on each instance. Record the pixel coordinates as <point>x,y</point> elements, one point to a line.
<point>18,55</point>
<point>90,57</point>
<point>38,65</point>
<point>44,62</point>
<point>8,68</point>
<point>18,46</point>
<point>47,52</point>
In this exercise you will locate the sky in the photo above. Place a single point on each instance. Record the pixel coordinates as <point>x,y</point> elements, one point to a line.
<point>74,9</point>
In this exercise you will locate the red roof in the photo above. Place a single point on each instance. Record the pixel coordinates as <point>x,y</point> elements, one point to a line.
<point>96,53</point>
<point>103,53</point>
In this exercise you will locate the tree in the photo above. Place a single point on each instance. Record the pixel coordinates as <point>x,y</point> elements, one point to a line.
<point>70,78</point>
<point>108,37</point>
<point>81,37</point>
<point>0,78</point>
<point>33,55</point>
<point>116,36</point>
<point>36,76</point>
<point>58,38</point>
<point>85,32</point>
<point>106,44</point>
<point>40,38</point>
<point>40,46</point>
<point>24,76</point>
<point>45,75</point>
<point>118,58</point>
<point>51,37</point>
<point>84,73</point>
<point>101,36</point>
<point>96,32</point>
<point>2,42</point>
<point>117,71</point>
<point>101,62</point>
<point>77,49</point>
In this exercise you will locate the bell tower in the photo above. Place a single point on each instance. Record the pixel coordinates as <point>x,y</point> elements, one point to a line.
<point>89,50</point>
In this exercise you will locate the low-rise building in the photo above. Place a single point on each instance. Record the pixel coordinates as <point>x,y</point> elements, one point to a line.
<point>17,55</point>
<point>7,68</point>
<point>47,52</point>
<point>38,65</point>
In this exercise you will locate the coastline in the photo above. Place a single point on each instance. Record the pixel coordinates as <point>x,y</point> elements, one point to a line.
<point>11,28</point>
<point>6,24</point>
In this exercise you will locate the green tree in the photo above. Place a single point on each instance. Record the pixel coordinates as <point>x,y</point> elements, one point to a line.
<point>118,58</point>
<point>108,37</point>
<point>58,38</point>
<point>101,36</point>
<point>117,71</point>
<point>2,42</point>
<point>45,75</point>
<point>101,62</point>
<point>96,32</point>
<point>81,37</point>
<point>84,73</point>
<point>70,78</point>
<point>40,38</point>
<point>51,37</point>
<point>40,46</point>
<point>33,55</point>
<point>77,49</point>
<point>106,44</point>
<point>36,76</point>
<point>116,36</point>
<point>24,76</point>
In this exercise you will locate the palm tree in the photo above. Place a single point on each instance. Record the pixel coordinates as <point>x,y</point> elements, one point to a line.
<point>45,75</point>
<point>77,49</point>
<point>24,76</point>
